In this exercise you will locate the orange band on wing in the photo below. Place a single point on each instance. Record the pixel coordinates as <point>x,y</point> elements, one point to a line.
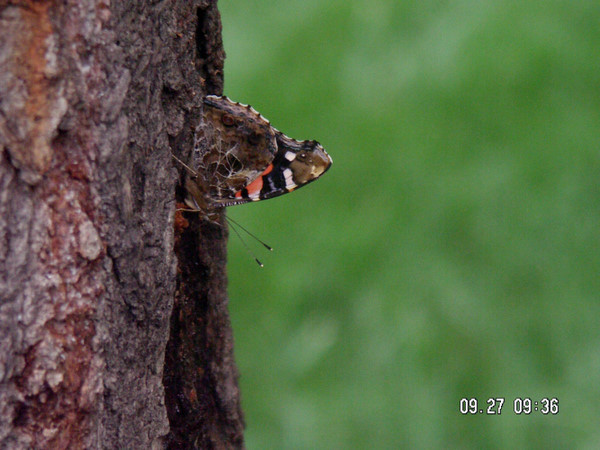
<point>256,185</point>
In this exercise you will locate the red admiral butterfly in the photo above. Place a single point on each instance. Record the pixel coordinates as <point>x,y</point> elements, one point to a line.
<point>239,157</point>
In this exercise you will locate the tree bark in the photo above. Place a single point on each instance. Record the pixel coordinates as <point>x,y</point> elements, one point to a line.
<point>94,98</point>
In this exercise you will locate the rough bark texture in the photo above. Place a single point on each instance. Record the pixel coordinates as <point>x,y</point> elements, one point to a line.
<point>94,97</point>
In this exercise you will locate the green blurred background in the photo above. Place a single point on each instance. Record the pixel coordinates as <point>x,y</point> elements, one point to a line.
<point>452,250</point>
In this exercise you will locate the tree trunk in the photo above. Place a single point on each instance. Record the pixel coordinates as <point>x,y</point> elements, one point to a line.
<point>94,98</point>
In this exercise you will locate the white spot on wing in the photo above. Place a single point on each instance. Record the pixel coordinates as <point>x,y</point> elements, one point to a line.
<point>289,179</point>
<point>290,156</point>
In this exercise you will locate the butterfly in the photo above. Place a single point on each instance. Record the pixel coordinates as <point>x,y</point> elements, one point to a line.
<point>238,157</point>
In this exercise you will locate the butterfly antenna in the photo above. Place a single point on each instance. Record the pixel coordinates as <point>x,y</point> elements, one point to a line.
<point>244,242</point>
<point>231,221</point>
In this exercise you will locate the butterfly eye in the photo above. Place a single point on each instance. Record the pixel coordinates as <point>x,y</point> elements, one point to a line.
<point>227,120</point>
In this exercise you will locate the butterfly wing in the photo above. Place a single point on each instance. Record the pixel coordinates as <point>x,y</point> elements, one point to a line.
<point>239,157</point>
<point>296,164</point>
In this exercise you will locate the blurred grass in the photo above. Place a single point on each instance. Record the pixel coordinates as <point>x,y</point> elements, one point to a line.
<point>453,249</point>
